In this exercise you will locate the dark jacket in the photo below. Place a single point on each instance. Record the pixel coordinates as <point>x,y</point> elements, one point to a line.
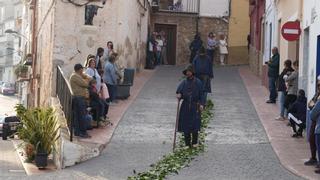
<point>282,84</point>
<point>273,66</point>
<point>203,71</point>
<point>195,45</point>
<point>94,96</point>
<point>192,96</point>
<point>299,109</point>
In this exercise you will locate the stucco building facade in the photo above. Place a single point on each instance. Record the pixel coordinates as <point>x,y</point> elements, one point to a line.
<point>62,38</point>
<point>256,13</point>
<point>238,31</point>
<point>310,47</point>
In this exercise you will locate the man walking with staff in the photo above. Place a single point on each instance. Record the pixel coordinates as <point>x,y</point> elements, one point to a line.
<point>190,91</point>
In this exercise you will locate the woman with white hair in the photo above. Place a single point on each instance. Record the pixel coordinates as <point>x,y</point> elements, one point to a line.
<point>223,48</point>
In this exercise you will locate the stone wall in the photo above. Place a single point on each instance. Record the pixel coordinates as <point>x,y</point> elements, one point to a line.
<point>186,29</point>
<point>255,61</point>
<point>257,67</point>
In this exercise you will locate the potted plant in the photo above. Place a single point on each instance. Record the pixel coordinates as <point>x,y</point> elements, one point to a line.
<point>21,70</point>
<point>28,148</point>
<point>40,129</point>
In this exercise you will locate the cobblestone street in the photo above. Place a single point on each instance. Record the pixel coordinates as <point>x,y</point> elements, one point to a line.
<point>237,144</point>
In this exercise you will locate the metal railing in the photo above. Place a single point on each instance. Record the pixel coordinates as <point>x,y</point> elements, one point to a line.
<point>180,6</point>
<point>65,95</point>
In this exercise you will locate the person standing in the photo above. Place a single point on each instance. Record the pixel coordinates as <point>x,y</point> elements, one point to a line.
<point>292,85</point>
<point>202,64</point>
<point>93,73</point>
<point>195,47</point>
<point>211,45</point>
<point>311,126</point>
<point>79,83</point>
<point>190,91</point>
<point>150,57</point>
<point>108,51</point>
<point>273,74</point>
<point>110,78</point>
<point>159,49</point>
<point>223,49</point>
<point>315,117</point>
<point>164,58</point>
<point>282,89</point>
<point>99,60</point>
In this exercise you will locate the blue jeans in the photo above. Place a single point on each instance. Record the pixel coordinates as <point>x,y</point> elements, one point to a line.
<point>112,92</point>
<point>79,115</point>
<point>282,97</point>
<point>158,54</point>
<point>272,88</point>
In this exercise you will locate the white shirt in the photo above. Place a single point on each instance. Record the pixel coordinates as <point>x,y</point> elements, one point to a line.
<point>159,45</point>
<point>93,72</point>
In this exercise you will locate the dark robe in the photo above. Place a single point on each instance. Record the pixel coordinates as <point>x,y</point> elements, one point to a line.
<point>192,97</point>
<point>203,71</point>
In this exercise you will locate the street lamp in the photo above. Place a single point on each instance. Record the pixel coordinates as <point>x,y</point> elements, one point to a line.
<point>10,31</point>
<point>28,57</point>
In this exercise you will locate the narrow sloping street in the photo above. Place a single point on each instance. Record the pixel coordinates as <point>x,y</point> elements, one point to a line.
<point>238,147</point>
<point>237,144</point>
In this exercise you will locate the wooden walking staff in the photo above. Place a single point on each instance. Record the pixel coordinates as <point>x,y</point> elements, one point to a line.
<point>176,127</point>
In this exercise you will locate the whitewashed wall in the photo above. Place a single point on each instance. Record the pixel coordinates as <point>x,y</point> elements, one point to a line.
<point>311,9</point>
<point>214,8</point>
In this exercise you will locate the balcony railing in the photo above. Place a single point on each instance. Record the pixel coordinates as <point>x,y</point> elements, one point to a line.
<point>176,6</point>
<point>65,95</point>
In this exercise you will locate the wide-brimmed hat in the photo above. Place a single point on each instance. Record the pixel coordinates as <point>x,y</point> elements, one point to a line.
<point>188,68</point>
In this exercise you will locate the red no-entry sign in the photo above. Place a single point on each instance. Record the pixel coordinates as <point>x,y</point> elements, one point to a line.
<point>291,31</point>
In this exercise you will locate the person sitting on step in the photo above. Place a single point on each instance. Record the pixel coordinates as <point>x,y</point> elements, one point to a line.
<point>297,114</point>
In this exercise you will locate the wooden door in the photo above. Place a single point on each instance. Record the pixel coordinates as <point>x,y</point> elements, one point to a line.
<point>171,35</point>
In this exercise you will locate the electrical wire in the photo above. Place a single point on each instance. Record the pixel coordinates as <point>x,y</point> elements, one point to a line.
<point>77,4</point>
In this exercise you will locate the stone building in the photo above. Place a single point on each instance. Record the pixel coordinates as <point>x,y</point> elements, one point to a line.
<point>182,24</point>
<point>10,55</point>
<point>60,37</point>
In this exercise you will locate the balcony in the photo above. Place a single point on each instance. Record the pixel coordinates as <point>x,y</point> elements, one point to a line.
<point>176,6</point>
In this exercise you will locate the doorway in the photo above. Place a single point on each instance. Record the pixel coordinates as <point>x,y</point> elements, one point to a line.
<point>171,35</point>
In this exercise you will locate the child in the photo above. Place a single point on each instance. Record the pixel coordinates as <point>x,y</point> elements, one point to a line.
<point>95,101</point>
<point>297,114</point>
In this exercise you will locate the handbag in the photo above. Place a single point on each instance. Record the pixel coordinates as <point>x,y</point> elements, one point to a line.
<point>104,91</point>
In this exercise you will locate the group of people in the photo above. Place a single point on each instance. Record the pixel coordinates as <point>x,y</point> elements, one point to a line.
<point>157,50</point>
<point>193,92</point>
<point>293,103</point>
<point>94,87</point>
<point>213,44</point>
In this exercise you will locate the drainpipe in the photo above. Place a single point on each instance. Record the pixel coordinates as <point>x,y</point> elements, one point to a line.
<point>34,51</point>
<point>198,18</point>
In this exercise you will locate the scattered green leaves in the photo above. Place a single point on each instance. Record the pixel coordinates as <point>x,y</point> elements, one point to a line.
<point>181,157</point>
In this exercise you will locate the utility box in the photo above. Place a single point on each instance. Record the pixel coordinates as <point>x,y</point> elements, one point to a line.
<point>123,90</point>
